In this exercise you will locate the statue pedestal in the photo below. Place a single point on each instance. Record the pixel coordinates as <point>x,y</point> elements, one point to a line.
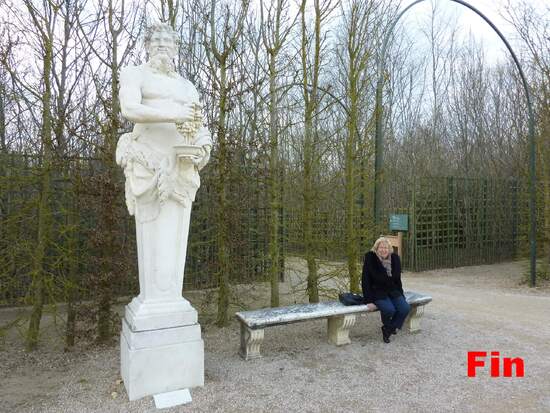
<point>161,350</point>
<point>161,361</point>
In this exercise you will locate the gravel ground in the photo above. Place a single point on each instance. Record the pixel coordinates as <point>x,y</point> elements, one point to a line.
<point>474,308</point>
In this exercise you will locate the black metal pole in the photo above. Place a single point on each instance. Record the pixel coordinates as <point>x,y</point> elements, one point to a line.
<point>379,135</point>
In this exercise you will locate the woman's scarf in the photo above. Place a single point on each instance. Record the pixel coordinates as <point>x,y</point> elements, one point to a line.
<point>386,262</point>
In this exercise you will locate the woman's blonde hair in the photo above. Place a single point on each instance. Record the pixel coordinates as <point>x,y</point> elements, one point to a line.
<point>379,241</point>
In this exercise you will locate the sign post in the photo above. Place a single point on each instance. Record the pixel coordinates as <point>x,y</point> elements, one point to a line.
<point>399,223</point>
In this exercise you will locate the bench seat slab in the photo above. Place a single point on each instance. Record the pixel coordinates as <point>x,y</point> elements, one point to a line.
<point>340,318</point>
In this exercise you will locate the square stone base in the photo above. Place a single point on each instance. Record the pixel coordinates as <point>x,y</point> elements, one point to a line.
<point>161,361</point>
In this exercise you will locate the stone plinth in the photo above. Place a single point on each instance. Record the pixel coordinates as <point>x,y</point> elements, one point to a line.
<point>161,361</point>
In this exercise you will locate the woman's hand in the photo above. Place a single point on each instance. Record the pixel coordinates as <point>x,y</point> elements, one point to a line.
<point>371,307</point>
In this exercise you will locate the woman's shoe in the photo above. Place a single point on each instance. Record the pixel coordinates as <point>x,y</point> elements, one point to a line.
<point>386,334</point>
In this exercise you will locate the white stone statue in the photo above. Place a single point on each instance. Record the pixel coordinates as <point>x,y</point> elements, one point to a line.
<point>161,158</point>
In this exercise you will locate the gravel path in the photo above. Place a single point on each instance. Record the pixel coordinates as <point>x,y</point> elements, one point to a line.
<point>474,308</point>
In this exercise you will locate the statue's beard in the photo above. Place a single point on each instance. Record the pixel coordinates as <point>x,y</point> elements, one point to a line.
<point>163,64</point>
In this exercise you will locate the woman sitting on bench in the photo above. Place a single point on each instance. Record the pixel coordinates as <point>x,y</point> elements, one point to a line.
<point>382,287</point>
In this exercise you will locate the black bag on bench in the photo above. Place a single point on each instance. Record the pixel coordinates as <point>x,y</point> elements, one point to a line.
<point>351,299</point>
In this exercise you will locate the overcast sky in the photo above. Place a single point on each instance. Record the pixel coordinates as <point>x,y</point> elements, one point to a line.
<point>469,21</point>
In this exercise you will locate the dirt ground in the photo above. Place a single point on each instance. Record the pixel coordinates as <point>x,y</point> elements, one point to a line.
<point>481,308</point>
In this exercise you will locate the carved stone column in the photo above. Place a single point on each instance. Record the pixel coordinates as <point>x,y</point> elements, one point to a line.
<point>339,327</point>
<point>413,319</point>
<point>251,341</point>
<point>162,246</point>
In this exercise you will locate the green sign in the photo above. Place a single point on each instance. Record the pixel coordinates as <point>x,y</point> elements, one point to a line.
<point>399,222</point>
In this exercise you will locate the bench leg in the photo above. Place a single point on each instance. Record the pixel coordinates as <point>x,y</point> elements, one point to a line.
<point>413,319</point>
<point>338,329</point>
<point>251,341</point>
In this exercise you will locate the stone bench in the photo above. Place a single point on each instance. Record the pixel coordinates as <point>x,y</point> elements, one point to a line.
<point>340,320</point>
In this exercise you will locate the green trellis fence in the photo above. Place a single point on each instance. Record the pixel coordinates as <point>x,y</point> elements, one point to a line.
<point>452,222</point>
<point>461,221</point>
<point>73,192</point>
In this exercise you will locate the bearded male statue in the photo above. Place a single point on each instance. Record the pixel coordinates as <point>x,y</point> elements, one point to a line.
<point>161,158</point>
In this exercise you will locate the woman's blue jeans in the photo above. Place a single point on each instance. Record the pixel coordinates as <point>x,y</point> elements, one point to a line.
<point>393,311</point>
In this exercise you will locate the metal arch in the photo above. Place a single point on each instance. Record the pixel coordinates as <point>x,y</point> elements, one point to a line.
<point>379,136</point>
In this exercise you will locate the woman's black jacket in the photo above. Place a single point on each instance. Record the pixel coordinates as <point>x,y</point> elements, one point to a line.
<point>377,285</point>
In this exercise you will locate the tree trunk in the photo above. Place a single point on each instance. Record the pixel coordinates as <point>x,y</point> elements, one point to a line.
<point>44,207</point>
<point>310,93</point>
<point>221,189</point>
<point>109,192</point>
<point>71,286</point>
<point>274,186</point>
<point>3,148</point>
<point>352,252</point>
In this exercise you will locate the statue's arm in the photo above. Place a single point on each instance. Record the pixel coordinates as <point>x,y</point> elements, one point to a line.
<point>204,140</point>
<point>203,137</point>
<point>130,101</point>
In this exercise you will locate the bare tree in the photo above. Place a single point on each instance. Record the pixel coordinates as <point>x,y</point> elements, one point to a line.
<point>111,45</point>
<point>355,57</point>
<point>533,26</point>
<point>3,144</point>
<point>275,30</point>
<point>43,21</point>
<point>169,11</point>
<point>223,34</point>
<point>311,43</point>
